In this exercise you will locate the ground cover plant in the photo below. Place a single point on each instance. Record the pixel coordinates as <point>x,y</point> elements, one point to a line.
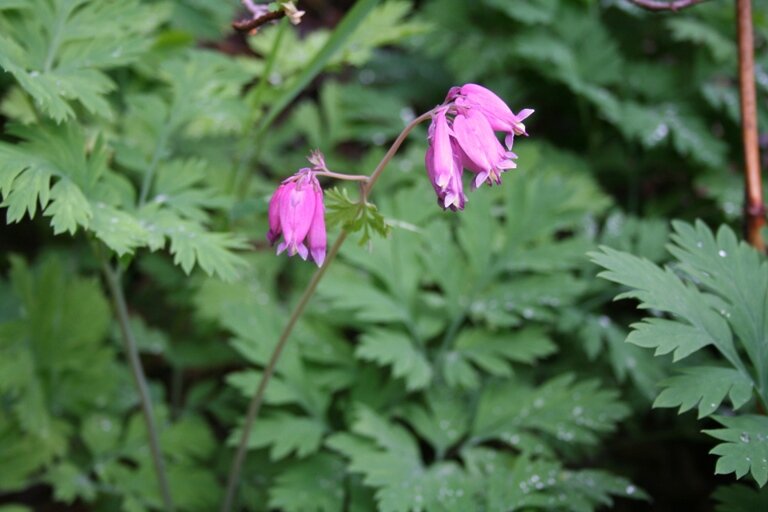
<point>456,192</point>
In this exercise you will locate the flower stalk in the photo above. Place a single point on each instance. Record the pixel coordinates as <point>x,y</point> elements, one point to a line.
<point>255,404</point>
<point>296,211</point>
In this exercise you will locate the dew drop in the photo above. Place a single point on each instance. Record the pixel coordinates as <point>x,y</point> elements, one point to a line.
<point>744,437</point>
<point>722,253</point>
<point>275,78</point>
<point>630,489</point>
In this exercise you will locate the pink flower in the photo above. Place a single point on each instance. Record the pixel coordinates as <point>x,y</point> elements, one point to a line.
<point>462,136</point>
<point>296,212</point>
<point>483,154</point>
<point>498,114</point>
<point>443,163</point>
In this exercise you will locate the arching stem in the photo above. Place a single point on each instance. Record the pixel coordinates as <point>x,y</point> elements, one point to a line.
<point>254,406</point>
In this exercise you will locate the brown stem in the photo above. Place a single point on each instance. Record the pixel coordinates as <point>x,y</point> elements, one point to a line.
<point>255,23</point>
<point>754,208</point>
<point>657,5</point>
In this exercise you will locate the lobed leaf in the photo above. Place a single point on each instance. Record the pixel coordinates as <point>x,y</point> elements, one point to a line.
<point>706,386</point>
<point>745,449</point>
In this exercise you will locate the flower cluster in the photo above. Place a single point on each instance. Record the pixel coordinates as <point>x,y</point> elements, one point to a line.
<point>462,136</point>
<point>297,212</point>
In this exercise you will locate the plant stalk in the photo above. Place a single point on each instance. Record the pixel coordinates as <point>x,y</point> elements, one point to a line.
<point>112,277</point>
<point>754,207</point>
<point>254,406</point>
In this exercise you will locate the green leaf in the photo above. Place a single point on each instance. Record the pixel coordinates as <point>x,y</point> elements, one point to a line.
<point>442,420</point>
<point>667,336</point>
<point>351,294</point>
<point>354,216</point>
<point>100,433</point>
<point>58,51</point>
<point>664,290</point>
<point>395,349</point>
<point>702,34</point>
<point>192,244</point>
<point>285,434</point>
<point>706,386</point>
<point>179,186</point>
<point>60,324</point>
<point>533,12</point>
<point>745,449</point>
<point>188,439</point>
<point>562,408</point>
<point>735,272</point>
<point>386,455</point>
<point>315,483</point>
<point>341,34</point>
<point>494,352</point>
<point>70,483</point>
<point>740,498</point>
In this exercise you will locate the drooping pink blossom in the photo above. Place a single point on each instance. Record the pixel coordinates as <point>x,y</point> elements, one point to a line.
<point>296,212</point>
<point>482,154</point>
<point>274,215</point>
<point>443,164</point>
<point>495,110</point>
<point>317,238</point>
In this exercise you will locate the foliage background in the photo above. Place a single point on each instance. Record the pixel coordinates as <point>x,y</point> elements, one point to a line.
<point>467,362</point>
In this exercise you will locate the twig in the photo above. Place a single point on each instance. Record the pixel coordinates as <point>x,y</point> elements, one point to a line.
<point>255,405</point>
<point>112,278</point>
<point>253,24</point>
<point>754,207</point>
<point>657,5</point>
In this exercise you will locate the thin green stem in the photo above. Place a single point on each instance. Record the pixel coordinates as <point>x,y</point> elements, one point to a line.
<point>258,397</point>
<point>392,150</point>
<point>343,177</point>
<point>256,401</point>
<point>112,277</point>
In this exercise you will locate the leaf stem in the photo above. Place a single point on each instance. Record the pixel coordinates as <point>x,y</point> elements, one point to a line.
<point>254,406</point>
<point>112,277</point>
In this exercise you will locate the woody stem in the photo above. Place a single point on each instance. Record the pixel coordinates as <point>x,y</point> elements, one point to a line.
<point>258,397</point>
<point>755,210</point>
